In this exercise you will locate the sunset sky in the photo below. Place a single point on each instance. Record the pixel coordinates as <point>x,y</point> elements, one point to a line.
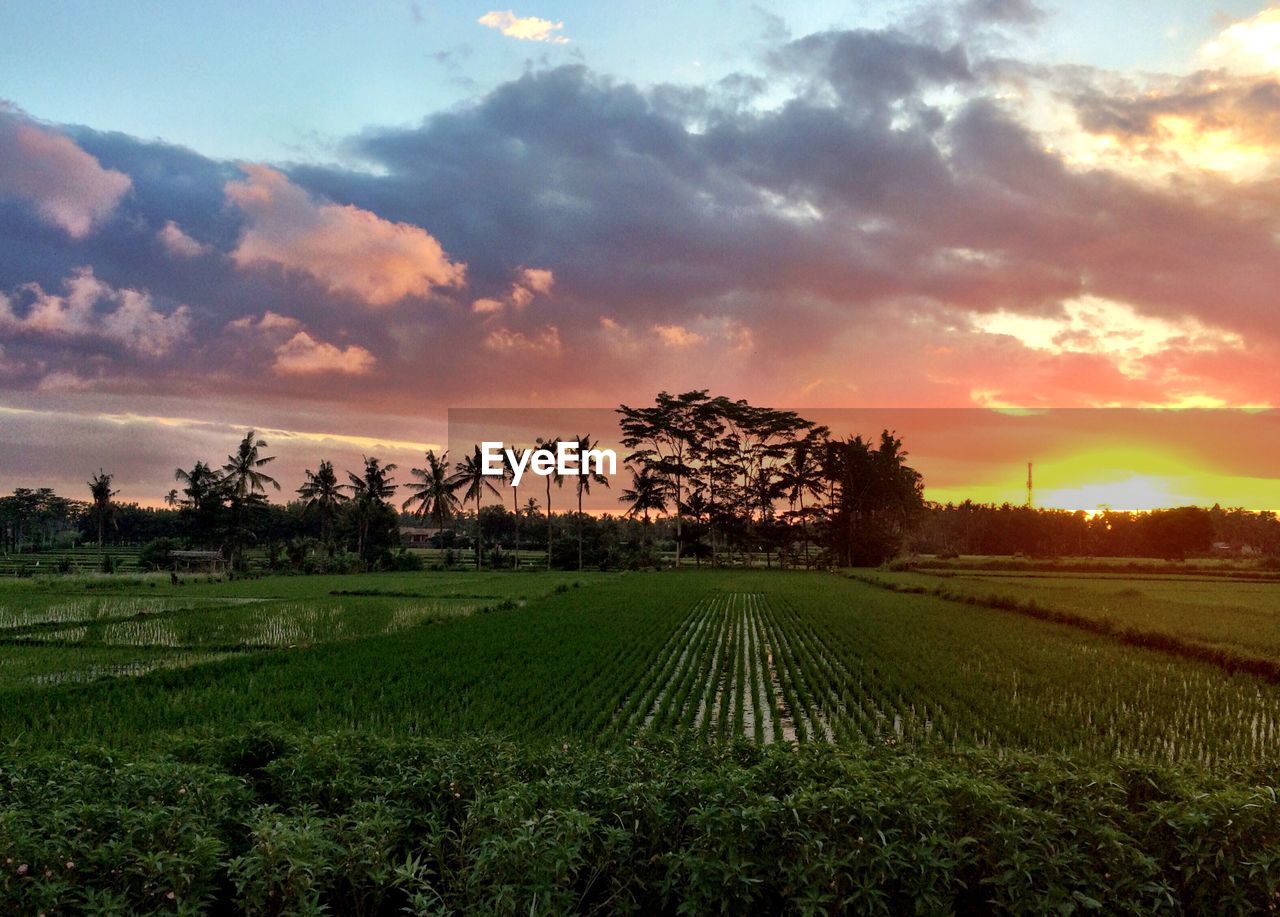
<point>335,221</point>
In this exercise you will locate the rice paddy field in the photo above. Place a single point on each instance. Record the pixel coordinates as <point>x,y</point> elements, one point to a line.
<point>299,702</point>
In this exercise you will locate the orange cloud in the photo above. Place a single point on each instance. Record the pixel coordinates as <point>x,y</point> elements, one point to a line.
<point>347,249</point>
<point>304,355</point>
<point>678,335</point>
<point>1111,329</point>
<point>503,340</point>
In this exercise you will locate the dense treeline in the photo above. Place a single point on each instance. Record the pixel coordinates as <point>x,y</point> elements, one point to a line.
<point>971,528</point>
<point>711,480</point>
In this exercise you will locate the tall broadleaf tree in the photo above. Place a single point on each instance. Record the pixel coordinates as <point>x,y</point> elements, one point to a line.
<point>663,438</point>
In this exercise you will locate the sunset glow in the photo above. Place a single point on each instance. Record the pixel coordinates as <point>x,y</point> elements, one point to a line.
<point>998,207</point>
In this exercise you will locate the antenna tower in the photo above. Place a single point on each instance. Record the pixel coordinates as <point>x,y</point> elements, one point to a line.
<point>1031,494</point>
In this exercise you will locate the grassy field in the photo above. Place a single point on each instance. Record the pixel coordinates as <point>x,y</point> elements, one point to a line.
<point>604,658</point>
<point>500,742</point>
<point>1233,624</point>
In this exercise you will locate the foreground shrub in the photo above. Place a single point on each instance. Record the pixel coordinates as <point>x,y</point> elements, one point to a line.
<point>272,823</point>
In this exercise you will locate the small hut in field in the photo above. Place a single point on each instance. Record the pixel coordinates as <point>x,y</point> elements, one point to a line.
<point>198,561</point>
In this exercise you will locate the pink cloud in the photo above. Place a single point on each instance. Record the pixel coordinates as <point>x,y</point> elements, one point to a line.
<point>537,279</point>
<point>268,323</point>
<point>529,282</point>
<point>677,335</point>
<point>346,249</point>
<point>68,188</point>
<point>304,355</point>
<point>178,243</point>
<point>132,321</point>
<point>487,306</point>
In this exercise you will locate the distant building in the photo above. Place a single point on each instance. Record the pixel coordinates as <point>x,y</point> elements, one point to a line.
<point>198,561</point>
<point>418,537</point>
<point>1243,550</point>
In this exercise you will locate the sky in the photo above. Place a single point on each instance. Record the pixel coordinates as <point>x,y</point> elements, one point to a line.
<point>334,222</point>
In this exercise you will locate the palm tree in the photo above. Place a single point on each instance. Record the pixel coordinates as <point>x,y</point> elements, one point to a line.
<point>204,491</point>
<point>102,510</point>
<point>555,477</point>
<point>171,498</point>
<point>801,475</point>
<point>509,474</point>
<point>583,479</point>
<point>433,491</point>
<point>246,485</point>
<point>469,474</point>
<point>201,484</point>
<point>647,492</point>
<point>241,470</point>
<point>370,492</point>
<point>322,492</point>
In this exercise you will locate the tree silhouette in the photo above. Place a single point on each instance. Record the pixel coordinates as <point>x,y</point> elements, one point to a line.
<point>203,494</point>
<point>433,490</point>
<point>322,494</point>
<point>101,509</point>
<point>370,492</point>
<point>469,476</point>
<point>241,470</point>
<point>646,494</point>
<point>663,438</point>
<point>509,474</point>
<point>877,496</point>
<point>583,480</point>
<point>555,477</point>
<point>800,476</point>
<point>246,486</point>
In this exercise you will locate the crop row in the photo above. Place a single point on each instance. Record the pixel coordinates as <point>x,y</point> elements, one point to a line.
<point>769,657</point>
<point>846,664</point>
